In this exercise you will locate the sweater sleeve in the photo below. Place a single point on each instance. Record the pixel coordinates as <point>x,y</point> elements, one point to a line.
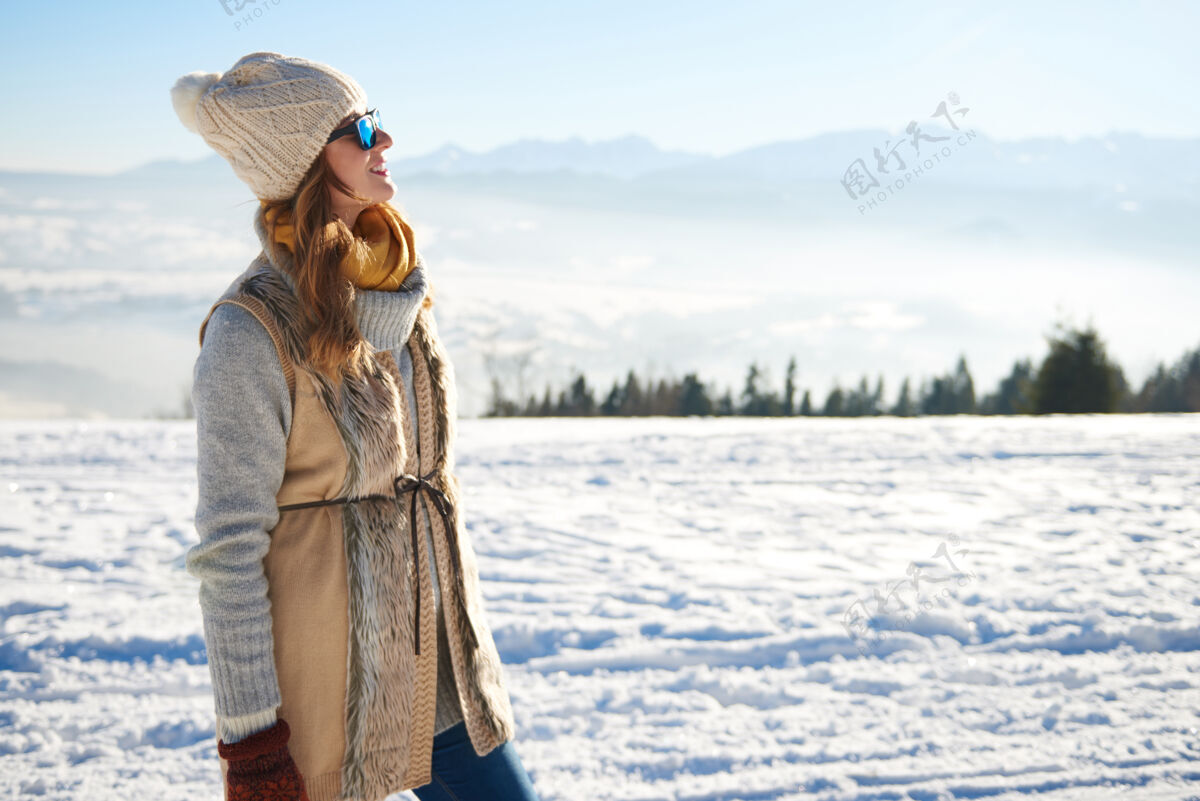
<point>243,415</point>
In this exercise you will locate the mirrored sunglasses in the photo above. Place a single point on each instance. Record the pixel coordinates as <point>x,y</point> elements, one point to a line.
<point>366,126</point>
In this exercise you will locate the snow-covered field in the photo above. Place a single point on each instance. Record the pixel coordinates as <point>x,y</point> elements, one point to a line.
<point>688,609</point>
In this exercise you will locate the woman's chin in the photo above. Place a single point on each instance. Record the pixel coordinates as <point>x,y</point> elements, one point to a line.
<point>385,192</point>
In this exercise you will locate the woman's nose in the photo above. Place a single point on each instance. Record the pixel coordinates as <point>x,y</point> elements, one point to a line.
<point>385,139</point>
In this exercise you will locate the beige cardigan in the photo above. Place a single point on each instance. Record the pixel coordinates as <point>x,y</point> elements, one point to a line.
<point>358,698</point>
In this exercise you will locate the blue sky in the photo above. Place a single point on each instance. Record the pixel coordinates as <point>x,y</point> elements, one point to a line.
<point>698,76</point>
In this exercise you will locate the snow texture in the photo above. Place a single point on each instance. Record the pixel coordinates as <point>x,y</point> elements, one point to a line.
<point>701,609</point>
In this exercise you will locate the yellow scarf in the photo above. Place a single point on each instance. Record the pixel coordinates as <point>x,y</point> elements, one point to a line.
<point>390,239</point>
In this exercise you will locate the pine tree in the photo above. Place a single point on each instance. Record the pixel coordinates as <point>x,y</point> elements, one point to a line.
<point>1174,389</point>
<point>789,388</point>
<point>1014,395</point>
<point>904,403</point>
<point>953,393</point>
<point>612,403</point>
<point>834,402</point>
<point>665,398</point>
<point>498,405</point>
<point>632,402</point>
<point>582,402</point>
<point>693,399</point>
<point>751,401</point>
<point>857,401</point>
<point>964,388</point>
<point>725,404</point>
<point>1077,377</point>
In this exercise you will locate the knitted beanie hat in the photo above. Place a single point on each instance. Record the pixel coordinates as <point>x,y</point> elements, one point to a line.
<point>268,116</point>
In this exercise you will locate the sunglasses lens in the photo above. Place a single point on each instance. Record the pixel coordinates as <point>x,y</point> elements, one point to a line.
<point>367,128</point>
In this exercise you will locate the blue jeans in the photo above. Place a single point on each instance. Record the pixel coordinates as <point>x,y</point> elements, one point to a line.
<point>459,774</point>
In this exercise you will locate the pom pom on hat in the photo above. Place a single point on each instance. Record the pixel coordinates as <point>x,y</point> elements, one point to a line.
<point>186,94</point>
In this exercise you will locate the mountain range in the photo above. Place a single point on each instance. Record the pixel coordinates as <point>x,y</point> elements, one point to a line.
<point>856,251</point>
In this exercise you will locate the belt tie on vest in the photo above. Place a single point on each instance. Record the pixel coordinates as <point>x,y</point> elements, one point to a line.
<point>402,484</point>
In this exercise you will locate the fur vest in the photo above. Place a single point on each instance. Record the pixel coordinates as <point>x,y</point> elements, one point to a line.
<point>349,582</point>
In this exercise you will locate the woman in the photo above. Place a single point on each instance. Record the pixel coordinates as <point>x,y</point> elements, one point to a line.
<point>347,643</point>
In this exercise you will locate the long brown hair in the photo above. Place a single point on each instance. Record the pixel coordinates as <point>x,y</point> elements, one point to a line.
<point>335,346</point>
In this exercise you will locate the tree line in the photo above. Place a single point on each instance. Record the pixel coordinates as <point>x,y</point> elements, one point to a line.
<point>1076,376</point>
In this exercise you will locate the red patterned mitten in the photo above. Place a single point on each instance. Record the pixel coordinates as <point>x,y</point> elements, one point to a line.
<point>261,768</point>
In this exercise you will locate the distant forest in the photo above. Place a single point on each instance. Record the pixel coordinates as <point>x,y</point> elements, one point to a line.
<point>1076,376</point>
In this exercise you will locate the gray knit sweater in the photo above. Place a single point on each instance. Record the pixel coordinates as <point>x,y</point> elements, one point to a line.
<point>243,415</point>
